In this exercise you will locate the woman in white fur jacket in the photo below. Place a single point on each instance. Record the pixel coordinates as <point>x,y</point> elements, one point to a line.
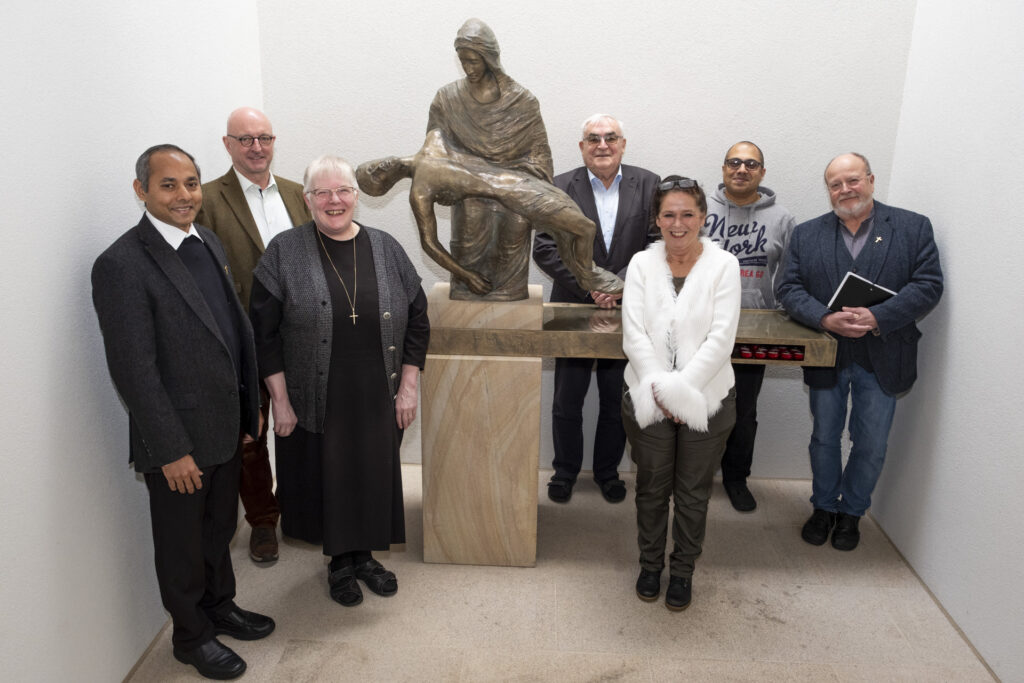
<point>680,309</point>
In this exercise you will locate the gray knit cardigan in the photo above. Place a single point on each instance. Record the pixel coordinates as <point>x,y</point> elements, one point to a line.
<point>291,271</point>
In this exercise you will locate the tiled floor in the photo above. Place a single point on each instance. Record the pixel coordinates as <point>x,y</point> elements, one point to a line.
<point>766,607</point>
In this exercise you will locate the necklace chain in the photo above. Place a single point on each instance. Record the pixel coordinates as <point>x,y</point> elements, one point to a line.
<point>355,275</point>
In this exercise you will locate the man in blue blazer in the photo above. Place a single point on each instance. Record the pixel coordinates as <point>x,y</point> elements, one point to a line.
<point>876,359</point>
<point>618,199</point>
<point>181,353</point>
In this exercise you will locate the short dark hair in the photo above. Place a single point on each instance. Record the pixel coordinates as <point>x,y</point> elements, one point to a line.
<point>142,165</point>
<point>659,195</point>
<point>746,142</point>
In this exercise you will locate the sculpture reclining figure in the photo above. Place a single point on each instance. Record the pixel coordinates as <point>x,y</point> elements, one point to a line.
<point>444,176</point>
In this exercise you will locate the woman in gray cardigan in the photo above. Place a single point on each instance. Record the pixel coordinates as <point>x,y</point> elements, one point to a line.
<point>341,334</point>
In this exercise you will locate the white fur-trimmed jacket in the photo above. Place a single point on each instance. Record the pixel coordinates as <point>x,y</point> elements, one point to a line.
<point>679,346</point>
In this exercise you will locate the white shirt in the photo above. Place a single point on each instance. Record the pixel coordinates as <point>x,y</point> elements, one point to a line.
<point>607,201</point>
<point>267,207</point>
<point>174,236</point>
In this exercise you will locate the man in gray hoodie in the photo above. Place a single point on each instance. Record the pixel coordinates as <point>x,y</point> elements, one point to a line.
<point>745,221</point>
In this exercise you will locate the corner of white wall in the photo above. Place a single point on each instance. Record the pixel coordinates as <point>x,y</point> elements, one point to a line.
<point>948,497</point>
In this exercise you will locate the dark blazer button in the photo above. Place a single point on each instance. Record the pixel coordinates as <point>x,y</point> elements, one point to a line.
<point>387,315</point>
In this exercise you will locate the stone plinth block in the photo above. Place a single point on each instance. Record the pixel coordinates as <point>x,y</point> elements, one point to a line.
<point>481,439</point>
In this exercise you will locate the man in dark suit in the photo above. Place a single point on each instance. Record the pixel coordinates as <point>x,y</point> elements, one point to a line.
<point>181,354</point>
<point>876,360</point>
<point>618,199</point>
<point>246,207</point>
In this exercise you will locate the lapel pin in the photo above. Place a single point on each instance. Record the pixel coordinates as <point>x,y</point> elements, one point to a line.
<point>878,239</point>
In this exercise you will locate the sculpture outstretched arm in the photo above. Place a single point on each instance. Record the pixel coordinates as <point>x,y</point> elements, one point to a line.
<point>426,221</point>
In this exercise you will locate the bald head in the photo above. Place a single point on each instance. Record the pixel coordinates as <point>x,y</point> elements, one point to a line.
<point>851,186</point>
<point>247,125</point>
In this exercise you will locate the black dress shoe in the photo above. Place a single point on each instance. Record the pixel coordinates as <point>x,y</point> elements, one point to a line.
<point>613,490</point>
<point>648,585</point>
<point>242,624</point>
<point>846,535</point>
<point>680,590</point>
<point>817,528</point>
<point>560,490</point>
<point>740,496</point>
<point>213,660</point>
<point>377,579</point>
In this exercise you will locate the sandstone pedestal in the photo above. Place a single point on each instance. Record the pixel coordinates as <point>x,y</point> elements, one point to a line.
<point>481,438</point>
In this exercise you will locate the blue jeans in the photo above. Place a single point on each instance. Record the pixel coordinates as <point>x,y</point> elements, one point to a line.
<point>849,490</point>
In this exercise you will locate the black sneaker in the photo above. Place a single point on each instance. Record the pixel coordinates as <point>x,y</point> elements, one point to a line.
<point>560,490</point>
<point>740,496</point>
<point>677,597</point>
<point>817,528</point>
<point>846,535</point>
<point>648,585</point>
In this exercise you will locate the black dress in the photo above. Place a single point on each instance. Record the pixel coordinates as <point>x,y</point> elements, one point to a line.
<point>343,488</point>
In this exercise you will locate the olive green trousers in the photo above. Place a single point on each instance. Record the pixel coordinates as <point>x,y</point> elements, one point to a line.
<point>674,461</point>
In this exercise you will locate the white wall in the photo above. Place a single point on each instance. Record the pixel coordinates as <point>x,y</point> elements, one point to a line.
<point>949,496</point>
<point>86,88</point>
<point>687,79</point>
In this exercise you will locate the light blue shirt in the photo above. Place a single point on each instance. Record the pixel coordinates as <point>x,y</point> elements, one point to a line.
<point>607,201</point>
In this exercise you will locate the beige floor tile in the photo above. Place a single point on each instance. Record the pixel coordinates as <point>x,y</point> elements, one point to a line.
<point>486,666</point>
<point>933,640</point>
<point>602,613</point>
<point>766,606</point>
<point>824,624</point>
<point>874,673</point>
<point>715,671</point>
<point>309,661</point>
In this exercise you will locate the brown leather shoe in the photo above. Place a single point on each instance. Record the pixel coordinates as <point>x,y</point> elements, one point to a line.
<point>263,544</point>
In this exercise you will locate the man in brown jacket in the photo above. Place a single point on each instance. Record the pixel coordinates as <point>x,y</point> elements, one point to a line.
<point>246,207</point>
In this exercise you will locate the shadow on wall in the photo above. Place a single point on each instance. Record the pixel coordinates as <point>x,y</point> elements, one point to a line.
<point>913,447</point>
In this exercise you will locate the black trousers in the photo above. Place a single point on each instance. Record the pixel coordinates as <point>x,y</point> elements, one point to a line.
<point>191,533</point>
<point>739,449</point>
<point>572,379</point>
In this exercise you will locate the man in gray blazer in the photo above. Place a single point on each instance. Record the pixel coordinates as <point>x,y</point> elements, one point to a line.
<point>246,208</point>
<point>876,360</point>
<point>181,354</point>
<point>618,199</point>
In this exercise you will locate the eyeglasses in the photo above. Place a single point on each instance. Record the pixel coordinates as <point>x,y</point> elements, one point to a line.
<point>247,140</point>
<point>344,192</point>
<point>680,184</point>
<point>751,164</point>
<point>852,183</point>
<point>609,139</point>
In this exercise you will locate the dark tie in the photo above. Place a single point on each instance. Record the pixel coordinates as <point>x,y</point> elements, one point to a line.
<point>213,284</point>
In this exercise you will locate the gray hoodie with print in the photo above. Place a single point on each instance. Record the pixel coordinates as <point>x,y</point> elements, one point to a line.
<point>757,234</point>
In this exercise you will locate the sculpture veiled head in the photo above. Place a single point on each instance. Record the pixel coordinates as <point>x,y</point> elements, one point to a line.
<point>477,36</point>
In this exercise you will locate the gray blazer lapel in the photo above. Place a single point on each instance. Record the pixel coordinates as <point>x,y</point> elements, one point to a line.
<point>829,242</point>
<point>167,260</point>
<point>628,198</point>
<point>583,194</point>
<point>877,249</point>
